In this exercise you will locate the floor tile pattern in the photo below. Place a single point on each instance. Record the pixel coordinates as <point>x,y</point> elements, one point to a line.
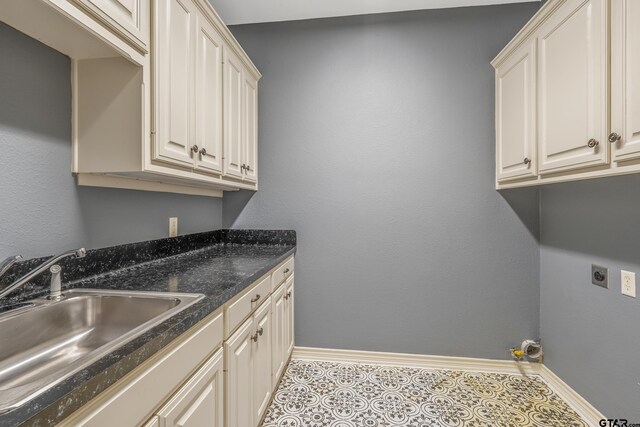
<point>327,394</point>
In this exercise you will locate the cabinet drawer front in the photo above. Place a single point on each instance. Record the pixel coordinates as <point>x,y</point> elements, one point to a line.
<point>243,307</point>
<point>133,401</point>
<point>283,272</point>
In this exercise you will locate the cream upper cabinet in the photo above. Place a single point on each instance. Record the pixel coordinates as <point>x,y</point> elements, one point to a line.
<point>175,85</point>
<point>232,115</point>
<point>130,18</point>
<point>200,402</point>
<point>250,127</point>
<point>516,114</point>
<point>625,87</point>
<point>573,87</point>
<point>208,97</point>
<point>240,120</point>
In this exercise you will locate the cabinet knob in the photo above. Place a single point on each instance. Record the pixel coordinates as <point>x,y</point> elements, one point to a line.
<point>195,148</point>
<point>286,270</point>
<point>248,168</point>
<point>256,298</point>
<point>254,337</point>
<point>592,143</point>
<point>527,161</point>
<point>203,151</point>
<point>243,167</point>
<point>288,294</point>
<point>614,137</point>
<point>260,331</point>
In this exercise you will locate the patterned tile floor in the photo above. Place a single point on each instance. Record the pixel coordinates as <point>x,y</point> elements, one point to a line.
<point>326,394</point>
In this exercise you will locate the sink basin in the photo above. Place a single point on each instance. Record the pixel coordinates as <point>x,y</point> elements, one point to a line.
<point>46,341</point>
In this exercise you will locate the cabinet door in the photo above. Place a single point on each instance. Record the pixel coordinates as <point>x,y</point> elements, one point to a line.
<point>277,343</point>
<point>233,156</point>
<point>625,87</point>
<point>239,380</point>
<point>174,86</point>
<point>289,318</point>
<point>573,88</point>
<point>130,17</point>
<point>200,401</point>
<point>262,361</point>
<point>208,97</point>
<point>250,127</point>
<point>515,114</point>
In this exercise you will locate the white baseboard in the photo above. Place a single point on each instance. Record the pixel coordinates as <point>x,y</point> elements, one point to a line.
<point>577,402</point>
<point>417,361</point>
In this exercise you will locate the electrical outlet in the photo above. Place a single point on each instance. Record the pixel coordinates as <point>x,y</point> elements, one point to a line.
<point>600,276</point>
<point>628,283</point>
<point>173,227</point>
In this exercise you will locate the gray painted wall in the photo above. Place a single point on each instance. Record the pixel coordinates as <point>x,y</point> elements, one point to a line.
<point>591,335</point>
<point>377,146</point>
<point>42,211</point>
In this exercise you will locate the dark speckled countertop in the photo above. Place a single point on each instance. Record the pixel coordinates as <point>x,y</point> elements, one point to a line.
<point>218,264</point>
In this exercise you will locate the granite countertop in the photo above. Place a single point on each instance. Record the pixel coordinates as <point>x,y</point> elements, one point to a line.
<point>218,264</point>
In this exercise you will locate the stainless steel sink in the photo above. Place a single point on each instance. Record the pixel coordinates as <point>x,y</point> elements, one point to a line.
<point>46,341</point>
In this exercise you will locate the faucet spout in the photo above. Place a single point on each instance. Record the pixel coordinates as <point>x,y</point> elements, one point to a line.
<point>77,253</point>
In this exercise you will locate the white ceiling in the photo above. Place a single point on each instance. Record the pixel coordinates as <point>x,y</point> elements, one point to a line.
<point>252,11</point>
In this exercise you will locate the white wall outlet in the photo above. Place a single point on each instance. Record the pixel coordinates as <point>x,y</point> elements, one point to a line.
<point>628,279</point>
<point>173,227</point>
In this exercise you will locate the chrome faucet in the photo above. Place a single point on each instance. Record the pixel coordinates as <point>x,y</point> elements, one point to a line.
<point>6,264</point>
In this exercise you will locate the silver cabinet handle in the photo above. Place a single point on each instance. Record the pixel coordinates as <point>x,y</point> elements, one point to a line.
<point>614,137</point>
<point>195,148</point>
<point>254,337</point>
<point>592,143</point>
<point>527,161</point>
<point>203,151</point>
<point>260,331</point>
<point>248,168</point>
<point>243,167</point>
<point>256,298</point>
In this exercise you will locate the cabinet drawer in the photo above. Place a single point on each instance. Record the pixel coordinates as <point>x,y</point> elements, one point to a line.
<point>239,310</point>
<point>282,273</point>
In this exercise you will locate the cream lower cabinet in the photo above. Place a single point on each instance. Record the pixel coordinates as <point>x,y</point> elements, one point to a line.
<point>203,379</point>
<point>248,373</point>
<point>289,336</point>
<point>199,402</point>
